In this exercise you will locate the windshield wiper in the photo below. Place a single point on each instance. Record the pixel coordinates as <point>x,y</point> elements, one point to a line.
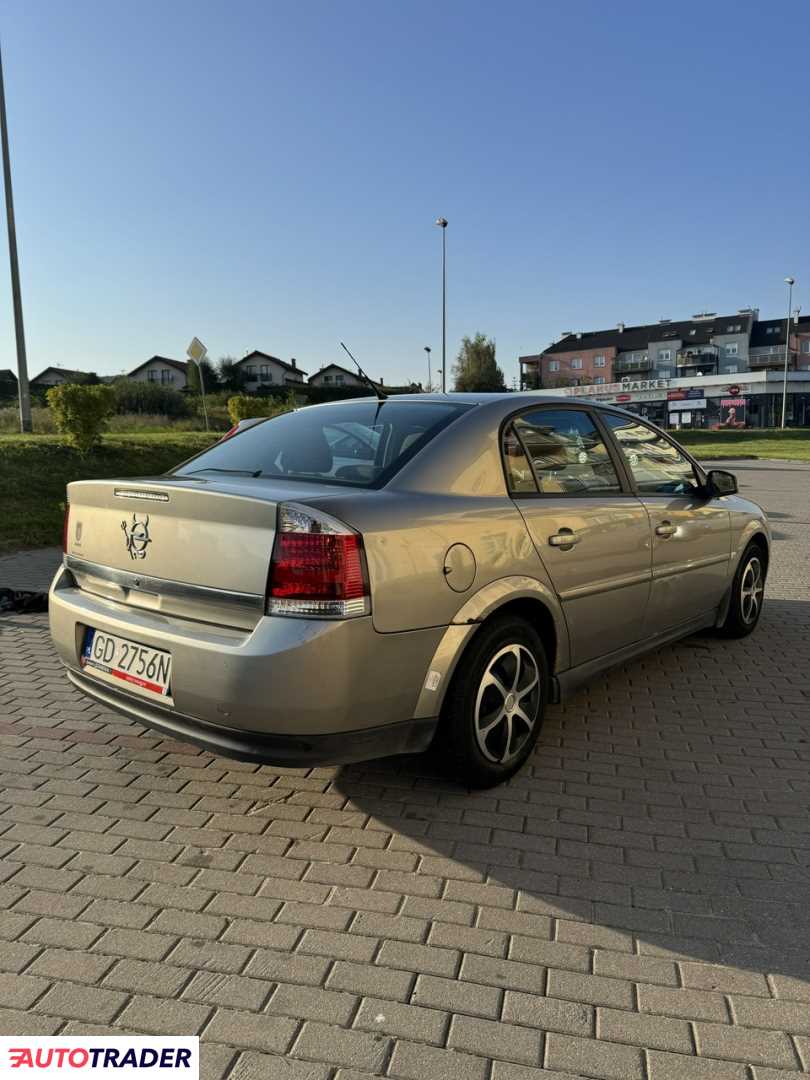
<point>236,472</point>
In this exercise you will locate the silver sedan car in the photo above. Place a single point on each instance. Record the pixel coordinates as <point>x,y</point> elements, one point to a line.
<point>372,576</point>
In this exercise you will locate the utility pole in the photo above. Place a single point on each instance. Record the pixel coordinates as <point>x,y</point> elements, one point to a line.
<point>22,365</point>
<point>442,223</point>
<point>790,282</point>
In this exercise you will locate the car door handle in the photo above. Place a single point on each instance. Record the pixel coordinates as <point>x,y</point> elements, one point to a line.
<point>564,538</point>
<point>666,529</point>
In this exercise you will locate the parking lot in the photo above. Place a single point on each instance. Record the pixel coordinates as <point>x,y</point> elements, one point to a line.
<point>635,905</point>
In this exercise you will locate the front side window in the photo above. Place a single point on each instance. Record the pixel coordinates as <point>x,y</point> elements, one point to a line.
<point>731,349</point>
<point>665,355</point>
<point>554,365</point>
<point>361,443</point>
<point>599,379</point>
<point>576,363</point>
<point>806,346</point>
<point>599,361</point>
<point>658,467</point>
<point>665,373</point>
<point>566,453</point>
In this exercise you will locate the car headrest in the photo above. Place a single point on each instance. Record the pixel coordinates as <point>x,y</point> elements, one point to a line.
<point>312,456</point>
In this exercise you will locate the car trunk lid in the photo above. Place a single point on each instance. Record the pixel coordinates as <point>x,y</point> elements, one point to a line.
<point>198,548</point>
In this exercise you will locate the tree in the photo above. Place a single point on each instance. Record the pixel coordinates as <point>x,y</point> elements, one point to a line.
<point>230,377</point>
<point>209,375</point>
<point>475,368</point>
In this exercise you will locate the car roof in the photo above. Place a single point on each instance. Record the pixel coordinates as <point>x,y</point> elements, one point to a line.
<point>501,404</point>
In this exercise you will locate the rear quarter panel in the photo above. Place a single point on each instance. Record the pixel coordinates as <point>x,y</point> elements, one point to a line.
<point>407,536</point>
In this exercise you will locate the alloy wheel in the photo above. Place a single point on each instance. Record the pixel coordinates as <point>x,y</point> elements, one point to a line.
<point>752,588</point>
<point>507,703</point>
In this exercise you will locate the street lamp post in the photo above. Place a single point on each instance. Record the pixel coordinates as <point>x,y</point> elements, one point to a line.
<point>22,365</point>
<point>430,377</point>
<point>442,223</point>
<point>790,282</point>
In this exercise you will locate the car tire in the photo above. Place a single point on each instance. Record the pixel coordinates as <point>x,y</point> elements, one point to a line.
<point>747,594</point>
<point>494,707</point>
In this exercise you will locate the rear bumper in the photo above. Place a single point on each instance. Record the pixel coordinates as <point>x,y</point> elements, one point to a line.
<point>286,690</point>
<point>294,751</point>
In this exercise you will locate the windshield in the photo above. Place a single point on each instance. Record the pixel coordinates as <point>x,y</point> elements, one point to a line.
<point>360,443</point>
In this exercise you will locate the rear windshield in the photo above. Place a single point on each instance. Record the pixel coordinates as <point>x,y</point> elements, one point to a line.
<point>360,443</point>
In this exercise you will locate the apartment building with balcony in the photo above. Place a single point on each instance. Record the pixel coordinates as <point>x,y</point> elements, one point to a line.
<point>580,360</point>
<point>767,347</point>
<point>706,344</point>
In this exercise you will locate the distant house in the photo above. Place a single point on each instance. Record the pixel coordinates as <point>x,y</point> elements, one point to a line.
<point>8,381</point>
<point>333,375</point>
<point>162,370</point>
<point>56,376</point>
<point>259,369</point>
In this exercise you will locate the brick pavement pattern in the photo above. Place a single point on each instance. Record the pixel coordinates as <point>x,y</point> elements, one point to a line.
<point>634,906</point>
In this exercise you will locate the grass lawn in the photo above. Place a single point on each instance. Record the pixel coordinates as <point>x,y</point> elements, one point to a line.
<point>35,469</point>
<point>791,444</point>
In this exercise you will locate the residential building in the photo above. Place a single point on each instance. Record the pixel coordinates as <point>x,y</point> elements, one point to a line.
<point>8,382</point>
<point>767,348</point>
<point>56,376</point>
<point>706,344</point>
<point>575,360</point>
<point>163,371</point>
<point>259,370</point>
<point>333,376</point>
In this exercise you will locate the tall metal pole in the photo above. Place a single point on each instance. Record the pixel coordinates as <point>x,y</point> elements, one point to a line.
<point>442,223</point>
<point>202,389</point>
<point>430,377</point>
<point>790,282</point>
<point>22,365</point>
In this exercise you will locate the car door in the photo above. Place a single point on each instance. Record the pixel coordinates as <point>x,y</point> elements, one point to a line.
<point>691,532</point>
<point>591,533</point>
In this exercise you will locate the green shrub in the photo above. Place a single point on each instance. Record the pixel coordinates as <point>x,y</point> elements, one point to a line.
<point>132,396</point>
<point>246,406</point>
<point>243,407</point>
<point>82,412</point>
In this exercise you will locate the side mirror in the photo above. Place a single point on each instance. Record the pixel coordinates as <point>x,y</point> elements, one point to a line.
<point>720,482</point>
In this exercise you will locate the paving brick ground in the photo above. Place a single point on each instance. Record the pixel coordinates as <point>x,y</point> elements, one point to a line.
<point>634,906</point>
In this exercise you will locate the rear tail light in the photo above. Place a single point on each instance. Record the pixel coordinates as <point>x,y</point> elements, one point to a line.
<point>66,528</point>
<point>318,567</point>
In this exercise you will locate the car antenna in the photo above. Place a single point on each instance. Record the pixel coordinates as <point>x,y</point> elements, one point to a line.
<point>378,392</point>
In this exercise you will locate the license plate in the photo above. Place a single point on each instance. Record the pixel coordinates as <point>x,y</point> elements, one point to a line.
<point>118,660</point>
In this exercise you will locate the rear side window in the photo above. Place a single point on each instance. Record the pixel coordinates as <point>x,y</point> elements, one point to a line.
<point>566,453</point>
<point>518,470</point>
<point>360,443</point>
<point>658,467</point>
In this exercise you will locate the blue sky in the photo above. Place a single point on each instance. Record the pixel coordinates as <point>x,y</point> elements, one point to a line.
<point>266,175</point>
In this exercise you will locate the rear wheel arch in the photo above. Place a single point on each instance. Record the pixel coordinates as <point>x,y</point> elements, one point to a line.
<point>537,614</point>
<point>522,601</point>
